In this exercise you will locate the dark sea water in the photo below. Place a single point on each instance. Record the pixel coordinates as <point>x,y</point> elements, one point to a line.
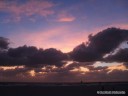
<point>61,89</point>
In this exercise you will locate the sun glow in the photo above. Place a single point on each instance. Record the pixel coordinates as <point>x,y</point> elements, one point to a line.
<point>10,67</point>
<point>118,67</point>
<point>80,69</point>
<point>32,73</point>
<point>68,63</point>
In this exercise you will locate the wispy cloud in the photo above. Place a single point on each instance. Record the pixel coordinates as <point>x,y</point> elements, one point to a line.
<point>65,17</point>
<point>29,8</point>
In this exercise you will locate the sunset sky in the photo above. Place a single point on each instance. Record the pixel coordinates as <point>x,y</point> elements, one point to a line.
<point>63,25</point>
<point>60,24</point>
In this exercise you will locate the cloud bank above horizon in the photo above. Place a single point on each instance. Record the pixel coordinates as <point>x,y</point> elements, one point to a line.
<point>32,63</point>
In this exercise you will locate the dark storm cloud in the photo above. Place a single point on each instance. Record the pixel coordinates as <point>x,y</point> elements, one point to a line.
<point>120,56</point>
<point>100,44</point>
<point>17,56</point>
<point>31,56</point>
<point>49,56</point>
<point>4,42</point>
<point>82,53</point>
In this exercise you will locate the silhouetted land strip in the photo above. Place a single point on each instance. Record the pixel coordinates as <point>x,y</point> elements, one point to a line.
<point>60,89</point>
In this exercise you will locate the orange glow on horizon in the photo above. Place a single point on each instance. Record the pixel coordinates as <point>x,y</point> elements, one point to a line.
<point>32,73</point>
<point>80,69</point>
<point>118,67</point>
<point>68,63</point>
<point>10,67</point>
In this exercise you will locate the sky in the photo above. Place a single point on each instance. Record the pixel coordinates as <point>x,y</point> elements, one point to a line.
<point>65,26</point>
<point>53,23</point>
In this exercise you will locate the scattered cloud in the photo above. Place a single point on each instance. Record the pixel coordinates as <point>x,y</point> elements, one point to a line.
<point>56,74</point>
<point>29,8</point>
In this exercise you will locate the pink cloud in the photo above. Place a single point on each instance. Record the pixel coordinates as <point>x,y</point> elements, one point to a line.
<point>65,17</point>
<point>31,7</point>
<point>38,7</point>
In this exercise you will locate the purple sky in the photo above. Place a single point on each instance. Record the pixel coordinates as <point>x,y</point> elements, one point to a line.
<point>59,24</point>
